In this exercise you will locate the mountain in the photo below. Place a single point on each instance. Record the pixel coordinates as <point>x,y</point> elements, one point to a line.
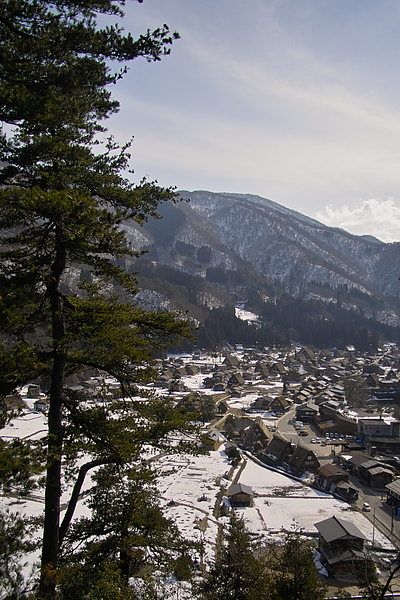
<point>213,249</point>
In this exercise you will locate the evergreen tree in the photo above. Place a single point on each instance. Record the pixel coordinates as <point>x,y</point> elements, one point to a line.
<point>237,574</point>
<point>295,574</point>
<point>15,542</point>
<point>126,530</point>
<point>63,197</point>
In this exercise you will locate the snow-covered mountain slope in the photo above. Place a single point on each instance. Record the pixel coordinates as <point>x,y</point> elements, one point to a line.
<point>215,233</point>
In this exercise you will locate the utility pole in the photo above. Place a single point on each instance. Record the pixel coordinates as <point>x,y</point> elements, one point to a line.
<point>373,529</point>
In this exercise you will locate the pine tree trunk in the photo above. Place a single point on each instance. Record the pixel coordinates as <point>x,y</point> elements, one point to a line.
<point>49,562</point>
<point>53,488</point>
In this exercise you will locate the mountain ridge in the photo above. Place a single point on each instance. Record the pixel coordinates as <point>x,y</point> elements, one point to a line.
<point>255,251</point>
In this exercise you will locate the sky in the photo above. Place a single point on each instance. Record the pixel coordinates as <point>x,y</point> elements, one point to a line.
<point>295,101</point>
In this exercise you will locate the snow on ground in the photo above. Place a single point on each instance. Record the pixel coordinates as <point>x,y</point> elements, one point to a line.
<point>32,425</point>
<point>283,503</point>
<point>189,488</point>
<point>245,315</point>
<point>280,504</point>
<point>195,382</point>
<point>271,483</point>
<point>244,402</point>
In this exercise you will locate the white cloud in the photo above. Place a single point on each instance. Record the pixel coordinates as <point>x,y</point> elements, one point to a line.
<point>380,218</point>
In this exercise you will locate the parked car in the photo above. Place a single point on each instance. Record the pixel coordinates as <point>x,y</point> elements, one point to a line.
<point>366,507</point>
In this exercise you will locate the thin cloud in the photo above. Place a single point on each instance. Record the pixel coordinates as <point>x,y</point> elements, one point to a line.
<point>293,101</point>
<point>380,218</point>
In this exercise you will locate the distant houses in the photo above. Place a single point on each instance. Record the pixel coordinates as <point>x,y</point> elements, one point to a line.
<point>11,402</point>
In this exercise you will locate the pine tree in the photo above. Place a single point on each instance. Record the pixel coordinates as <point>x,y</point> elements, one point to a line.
<point>126,529</point>
<point>63,198</point>
<point>15,542</point>
<point>295,574</point>
<point>237,573</point>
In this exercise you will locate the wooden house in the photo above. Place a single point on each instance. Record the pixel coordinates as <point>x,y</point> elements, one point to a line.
<point>262,403</point>
<point>354,461</point>
<point>377,427</point>
<point>233,422</point>
<point>307,412</point>
<point>33,391</point>
<point>11,402</point>
<point>330,475</point>
<point>303,460</point>
<point>191,370</point>
<point>376,474</point>
<point>277,369</point>
<point>219,387</point>
<point>240,495</point>
<point>41,405</point>
<point>307,353</point>
<point>262,369</point>
<point>231,361</point>
<point>236,379</point>
<point>221,407</point>
<point>256,436</point>
<point>346,491</point>
<point>277,451</point>
<point>393,494</point>
<point>232,451</point>
<point>279,405</point>
<point>341,545</point>
<point>372,380</point>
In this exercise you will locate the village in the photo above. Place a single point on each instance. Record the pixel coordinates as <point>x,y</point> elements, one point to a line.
<point>298,440</point>
<point>325,419</point>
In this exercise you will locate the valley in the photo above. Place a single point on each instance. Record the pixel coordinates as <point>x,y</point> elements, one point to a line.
<point>252,433</point>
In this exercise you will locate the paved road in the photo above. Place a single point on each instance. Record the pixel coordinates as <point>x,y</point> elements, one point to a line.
<point>381,514</point>
<point>285,426</point>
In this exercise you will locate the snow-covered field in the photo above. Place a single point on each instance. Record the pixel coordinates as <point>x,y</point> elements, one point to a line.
<point>280,503</point>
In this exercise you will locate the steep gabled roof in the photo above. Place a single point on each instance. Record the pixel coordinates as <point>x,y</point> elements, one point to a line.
<point>335,529</point>
<point>240,488</point>
<point>330,469</point>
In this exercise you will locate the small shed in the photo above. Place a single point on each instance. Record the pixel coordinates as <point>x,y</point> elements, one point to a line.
<point>346,491</point>
<point>241,495</point>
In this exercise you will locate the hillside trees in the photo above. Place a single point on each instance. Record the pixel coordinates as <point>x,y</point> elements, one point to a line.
<point>63,197</point>
<point>356,391</point>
